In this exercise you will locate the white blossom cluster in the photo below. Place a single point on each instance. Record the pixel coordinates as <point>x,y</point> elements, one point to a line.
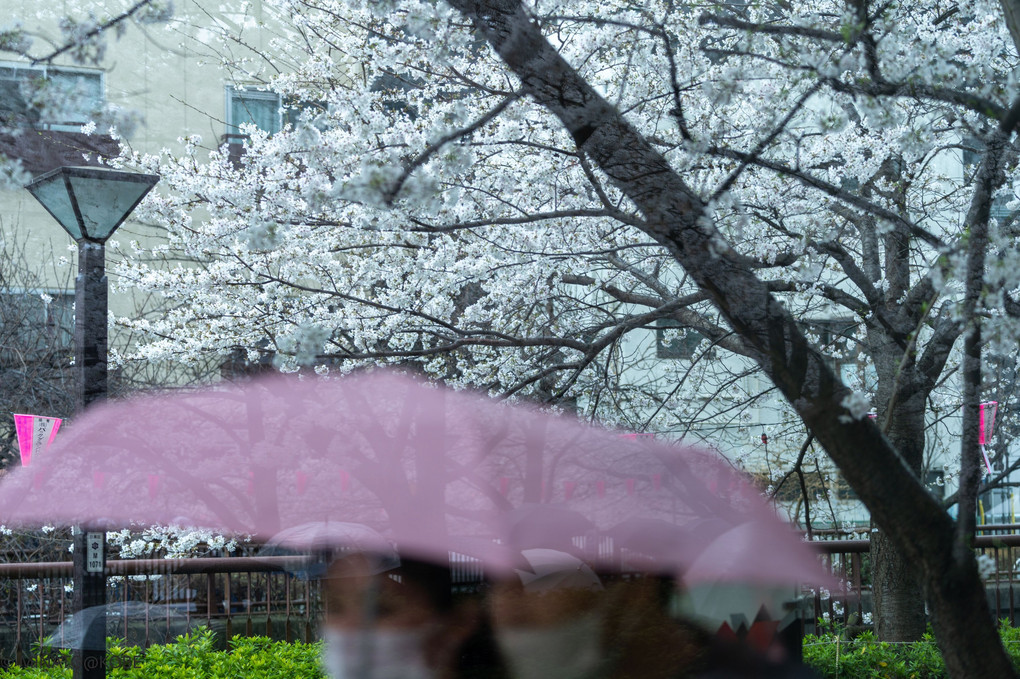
<point>423,209</point>
<point>170,542</point>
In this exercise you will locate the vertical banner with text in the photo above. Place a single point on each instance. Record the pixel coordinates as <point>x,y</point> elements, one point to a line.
<point>35,433</point>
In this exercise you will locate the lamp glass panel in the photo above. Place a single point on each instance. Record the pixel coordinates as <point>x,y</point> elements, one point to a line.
<point>104,202</point>
<point>53,196</point>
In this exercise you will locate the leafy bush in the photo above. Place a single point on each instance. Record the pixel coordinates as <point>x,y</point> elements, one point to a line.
<point>834,654</point>
<point>191,656</point>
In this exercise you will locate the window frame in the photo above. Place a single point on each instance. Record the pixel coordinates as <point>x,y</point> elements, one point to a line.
<point>44,71</point>
<point>231,92</point>
<point>682,349</point>
<point>54,334</point>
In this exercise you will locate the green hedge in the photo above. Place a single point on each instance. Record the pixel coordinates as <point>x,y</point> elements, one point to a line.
<point>191,656</point>
<point>833,654</point>
<point>194,656</point>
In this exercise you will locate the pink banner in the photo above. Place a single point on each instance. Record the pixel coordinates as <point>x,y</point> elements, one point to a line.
<point>986,421</point>
<point>35,434</point>
<point>630,486</point>
<point>345,480</point>
<point>568,489</point>
<point>302,482</point>
<point>600,488</point>
<point>656,481</point>
<point>153,485</point>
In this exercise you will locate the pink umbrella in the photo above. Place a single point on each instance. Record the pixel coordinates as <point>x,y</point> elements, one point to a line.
<point>433,471</point>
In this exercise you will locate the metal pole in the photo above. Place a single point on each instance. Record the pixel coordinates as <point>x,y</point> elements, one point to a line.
<point>90,306</point>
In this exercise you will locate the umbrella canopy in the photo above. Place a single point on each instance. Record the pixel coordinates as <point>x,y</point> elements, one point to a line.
<point>434,471</point>
<point>324,541</point>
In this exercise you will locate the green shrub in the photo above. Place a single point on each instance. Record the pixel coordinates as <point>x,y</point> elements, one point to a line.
<point>833,654</point>
<point>191,656</point>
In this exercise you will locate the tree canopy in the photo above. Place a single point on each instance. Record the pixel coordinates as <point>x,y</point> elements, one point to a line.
<point>506,192</point>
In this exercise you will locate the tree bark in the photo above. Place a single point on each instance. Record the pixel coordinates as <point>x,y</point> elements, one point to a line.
<point>898,596</point>
<point>676,218</point>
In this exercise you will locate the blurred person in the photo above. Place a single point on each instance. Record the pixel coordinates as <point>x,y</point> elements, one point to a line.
<point>560,620</point>
<point>387,621</point>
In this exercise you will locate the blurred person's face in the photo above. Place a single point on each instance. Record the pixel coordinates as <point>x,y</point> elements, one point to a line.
<point>551,624</point>
<point>379,628</point>
<point>574,631</point>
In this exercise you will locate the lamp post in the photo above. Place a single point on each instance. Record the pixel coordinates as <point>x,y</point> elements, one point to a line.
<point>90,203</point>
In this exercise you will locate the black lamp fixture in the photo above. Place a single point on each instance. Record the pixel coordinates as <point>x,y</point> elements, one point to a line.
<point>90,202</point>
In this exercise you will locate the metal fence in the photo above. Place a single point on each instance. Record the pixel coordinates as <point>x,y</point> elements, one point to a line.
<point>154,600</point>
<point>849,560</point>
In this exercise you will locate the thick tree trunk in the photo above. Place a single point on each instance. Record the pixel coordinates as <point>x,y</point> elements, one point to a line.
<point>677,218</point>
<point>899,599</point>
<point>898,596</point>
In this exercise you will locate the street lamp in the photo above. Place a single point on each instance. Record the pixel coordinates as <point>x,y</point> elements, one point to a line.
<point>90,203</point>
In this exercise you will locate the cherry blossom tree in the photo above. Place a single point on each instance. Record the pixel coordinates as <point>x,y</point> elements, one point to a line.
<point>509,194</point>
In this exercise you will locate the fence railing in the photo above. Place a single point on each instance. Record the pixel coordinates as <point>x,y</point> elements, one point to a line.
<point>850,562</point>
<point>153,600</point>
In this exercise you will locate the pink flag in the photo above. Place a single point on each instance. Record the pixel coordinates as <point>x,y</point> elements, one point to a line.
<point>568,489</point>
<point>345,480</point>
<point>98,480</point>
<point>630,486</point>
<point>153,485</point>
<point>986,421</point>
<point>504,485</point>
<point>600,488</point>
<point>656,481</point>
<point>302,482</point>
<point>35,433</point>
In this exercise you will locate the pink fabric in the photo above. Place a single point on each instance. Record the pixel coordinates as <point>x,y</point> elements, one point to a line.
<point>433,471</point>
<point>35,433</point>
<point>986,421</point>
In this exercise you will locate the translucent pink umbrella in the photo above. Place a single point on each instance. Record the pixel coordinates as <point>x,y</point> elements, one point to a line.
<point>432,470</point>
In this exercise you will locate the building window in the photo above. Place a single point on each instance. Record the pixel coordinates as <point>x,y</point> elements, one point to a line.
<point>835,338</point>
<point>935,481</point>
<point>259,108</point>
<point>973,149</point>
<point>672,340</point>
<point>50,97</point>
<point>35,324</point>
